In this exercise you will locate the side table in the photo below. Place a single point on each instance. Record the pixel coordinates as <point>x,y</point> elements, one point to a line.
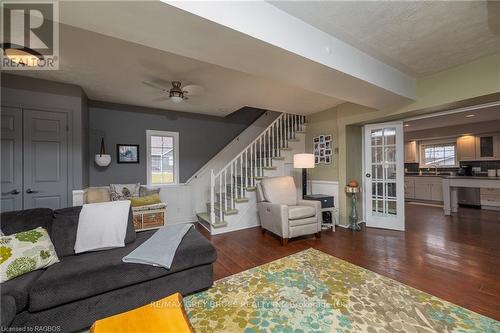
<point>327,208</point>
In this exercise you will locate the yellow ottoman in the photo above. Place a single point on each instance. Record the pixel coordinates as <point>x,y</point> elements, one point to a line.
<point>163,316</point>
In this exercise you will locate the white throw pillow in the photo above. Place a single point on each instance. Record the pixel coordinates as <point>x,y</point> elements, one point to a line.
<point>102,226</point>
<point>25,252</point>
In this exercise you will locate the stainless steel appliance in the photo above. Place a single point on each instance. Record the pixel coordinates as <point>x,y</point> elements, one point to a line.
<point>469,196</point>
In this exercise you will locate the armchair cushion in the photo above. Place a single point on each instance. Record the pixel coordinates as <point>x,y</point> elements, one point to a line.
<point>300,212</point>
<point>280,190</point>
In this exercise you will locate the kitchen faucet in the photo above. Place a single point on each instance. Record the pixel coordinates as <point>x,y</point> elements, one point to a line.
<point>435,167</point>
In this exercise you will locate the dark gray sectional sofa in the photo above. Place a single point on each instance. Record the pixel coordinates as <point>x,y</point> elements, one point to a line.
<point>72,294</point>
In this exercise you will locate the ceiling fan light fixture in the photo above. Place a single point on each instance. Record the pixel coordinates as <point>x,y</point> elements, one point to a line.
<point>176,94</point>
<point>176,99</point>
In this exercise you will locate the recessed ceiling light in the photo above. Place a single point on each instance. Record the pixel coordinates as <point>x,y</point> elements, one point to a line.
<point>470,115</point>
<point>407,125</point>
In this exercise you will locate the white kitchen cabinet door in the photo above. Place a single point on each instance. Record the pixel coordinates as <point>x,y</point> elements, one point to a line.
<point>466,148</point>
<point>409,189</point>
<point>411,154</point>
<point>437,192</point>
<point>422,190</point>
<point>487,147</point>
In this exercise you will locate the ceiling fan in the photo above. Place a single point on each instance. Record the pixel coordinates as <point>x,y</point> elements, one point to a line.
<point>177,93</point>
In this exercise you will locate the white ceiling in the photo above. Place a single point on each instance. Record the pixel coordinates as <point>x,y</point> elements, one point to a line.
<point>459,118</point>
<point>113,70</point>
<point>417,37</point>
<point>283,73</point>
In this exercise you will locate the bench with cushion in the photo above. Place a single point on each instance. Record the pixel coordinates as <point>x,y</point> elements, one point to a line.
<point>83,288</point>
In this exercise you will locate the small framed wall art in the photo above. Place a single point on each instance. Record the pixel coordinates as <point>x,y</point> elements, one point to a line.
<point>127,153</point>
<point>322,148</point>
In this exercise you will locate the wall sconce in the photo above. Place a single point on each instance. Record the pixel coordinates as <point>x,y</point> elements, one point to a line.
<point>102,159</point>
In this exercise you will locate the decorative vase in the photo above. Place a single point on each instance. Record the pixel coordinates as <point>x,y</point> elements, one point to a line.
<point>102,159</point>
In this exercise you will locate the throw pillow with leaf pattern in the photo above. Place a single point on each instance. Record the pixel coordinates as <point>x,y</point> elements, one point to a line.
<point>25,252</point>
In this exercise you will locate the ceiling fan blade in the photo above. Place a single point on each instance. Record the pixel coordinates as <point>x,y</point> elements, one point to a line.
<point>194,89</point>
<point>161,99</point>
<point>154,85</point>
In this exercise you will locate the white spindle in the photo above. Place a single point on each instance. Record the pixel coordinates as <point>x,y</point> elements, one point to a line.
<point>241,175</point>
<point>220,194</point>
<point>231,184</point>
<point>260,151</point>
<point>225,190</point>
<point>246,167</point>
<point>251,165</point>
<point>212,196</point>
<point>279,137</point>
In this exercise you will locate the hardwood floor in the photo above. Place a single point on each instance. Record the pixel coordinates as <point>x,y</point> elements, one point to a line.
<point>455,258</point>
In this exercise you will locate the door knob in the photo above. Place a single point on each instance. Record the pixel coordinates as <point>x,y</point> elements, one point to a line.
<point>14,192</point>
<point>31,191</point>
<point>368,175</point>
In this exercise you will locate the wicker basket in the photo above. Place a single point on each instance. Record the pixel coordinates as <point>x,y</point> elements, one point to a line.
<point>150,217</point>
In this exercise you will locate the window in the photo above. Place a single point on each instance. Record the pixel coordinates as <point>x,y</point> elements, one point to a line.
<point>440,155</point>
<point>163,157</point>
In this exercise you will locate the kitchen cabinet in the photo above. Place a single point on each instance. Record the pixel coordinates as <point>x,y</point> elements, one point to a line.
<point>490,198</point>
<point>409,188</point>
<point>487,147</point>
<point>437,191</point>
<point>411,152</point>
<point>466,148</point>
<point>424,188</point>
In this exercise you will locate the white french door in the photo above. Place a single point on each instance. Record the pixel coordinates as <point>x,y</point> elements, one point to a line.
<point>384,176</point>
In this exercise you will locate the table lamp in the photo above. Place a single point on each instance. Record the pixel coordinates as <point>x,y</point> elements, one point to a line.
<point>304,162</point>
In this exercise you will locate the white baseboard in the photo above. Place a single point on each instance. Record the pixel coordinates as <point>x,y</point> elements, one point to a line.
<point>181,219</point>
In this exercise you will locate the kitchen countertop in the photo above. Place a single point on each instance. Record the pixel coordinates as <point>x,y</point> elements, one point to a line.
<point>452,177</point>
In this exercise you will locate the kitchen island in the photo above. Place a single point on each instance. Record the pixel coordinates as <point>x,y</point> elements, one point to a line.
<point>452,183</point>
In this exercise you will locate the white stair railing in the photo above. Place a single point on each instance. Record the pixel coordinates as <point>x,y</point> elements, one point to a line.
<point>250,163</point>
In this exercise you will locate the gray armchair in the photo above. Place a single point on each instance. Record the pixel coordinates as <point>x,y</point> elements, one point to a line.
<point>282,214</point>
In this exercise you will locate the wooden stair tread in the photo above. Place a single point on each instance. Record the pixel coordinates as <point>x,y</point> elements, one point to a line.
<point>206,217</point>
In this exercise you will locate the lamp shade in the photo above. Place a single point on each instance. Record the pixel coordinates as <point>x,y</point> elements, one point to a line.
<point>303,161</point>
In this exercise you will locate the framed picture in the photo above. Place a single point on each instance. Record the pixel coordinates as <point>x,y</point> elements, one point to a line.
<point>321,139</point>
<point>127,153</point>
<point>328,144</point>
<point>316,139</point>
<point>328,137</point>
<point>328,160</point>
<point>316,160</point>
<point>328,152</point>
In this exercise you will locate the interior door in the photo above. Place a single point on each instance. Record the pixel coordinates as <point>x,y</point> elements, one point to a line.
<point>384,176</point>
<point>11,159</point>
<point>45,159</point>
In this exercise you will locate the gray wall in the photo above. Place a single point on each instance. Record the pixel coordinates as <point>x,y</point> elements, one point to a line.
<point>200,137</point>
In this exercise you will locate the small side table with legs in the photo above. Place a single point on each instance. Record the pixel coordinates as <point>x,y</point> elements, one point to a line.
<point>327,208</point>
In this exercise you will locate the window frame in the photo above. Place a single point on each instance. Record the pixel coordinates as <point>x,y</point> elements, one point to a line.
<point>427,144</point>
<point>175,136</point>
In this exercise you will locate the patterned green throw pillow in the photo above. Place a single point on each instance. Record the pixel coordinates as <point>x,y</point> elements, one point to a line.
<point>25,252</point>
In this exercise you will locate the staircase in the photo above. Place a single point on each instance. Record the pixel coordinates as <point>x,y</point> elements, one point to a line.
<point>233,203</point>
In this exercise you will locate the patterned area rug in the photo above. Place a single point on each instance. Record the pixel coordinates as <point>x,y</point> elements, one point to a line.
<point>311,291</point>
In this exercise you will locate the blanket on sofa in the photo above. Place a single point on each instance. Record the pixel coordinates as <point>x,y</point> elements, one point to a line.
<point>102,226</point>
<point>159,250</point>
